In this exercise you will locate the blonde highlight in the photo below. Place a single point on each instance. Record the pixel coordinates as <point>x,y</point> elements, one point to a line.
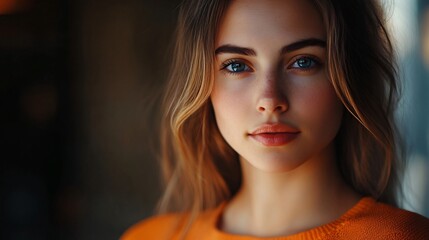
<point>200,170</point>
<point>369,147</point>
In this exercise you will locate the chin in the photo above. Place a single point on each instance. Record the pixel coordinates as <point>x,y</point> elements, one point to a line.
<point>275,164</point>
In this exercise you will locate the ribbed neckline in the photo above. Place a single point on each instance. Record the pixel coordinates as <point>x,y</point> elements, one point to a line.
<point>315,233</point>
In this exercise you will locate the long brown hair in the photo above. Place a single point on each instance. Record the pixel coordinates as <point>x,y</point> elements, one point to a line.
<point>201,170</point>
<point>363,71</point>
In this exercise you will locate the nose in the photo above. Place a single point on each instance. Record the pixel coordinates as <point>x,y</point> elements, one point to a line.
<point>271,98</point>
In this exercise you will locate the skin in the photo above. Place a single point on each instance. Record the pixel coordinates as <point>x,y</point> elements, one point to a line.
<point>295,186</point>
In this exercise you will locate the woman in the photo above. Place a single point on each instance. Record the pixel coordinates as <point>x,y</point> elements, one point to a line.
<point>279,125</point>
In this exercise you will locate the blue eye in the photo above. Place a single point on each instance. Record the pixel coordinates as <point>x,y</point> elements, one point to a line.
<point>236,67</point>
<point>304,63</point>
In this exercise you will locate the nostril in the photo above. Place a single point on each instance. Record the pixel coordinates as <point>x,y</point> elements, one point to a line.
<point>280,108</point>
<point>271,105</point>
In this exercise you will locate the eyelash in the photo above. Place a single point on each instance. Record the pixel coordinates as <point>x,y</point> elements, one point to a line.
<point>315,63</point>
<point>228,63</point>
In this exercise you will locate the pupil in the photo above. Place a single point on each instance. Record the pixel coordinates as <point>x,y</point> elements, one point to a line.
<point>304,62</point>
<point>237,67</point>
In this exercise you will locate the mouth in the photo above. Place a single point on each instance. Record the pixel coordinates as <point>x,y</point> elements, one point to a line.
<point>274,134</point>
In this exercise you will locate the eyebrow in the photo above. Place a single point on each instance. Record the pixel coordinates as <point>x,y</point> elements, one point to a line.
<point>302,44</point>
<point>228,48</point>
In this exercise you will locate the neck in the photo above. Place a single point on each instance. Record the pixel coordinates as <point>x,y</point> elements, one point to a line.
<point>275,204</point>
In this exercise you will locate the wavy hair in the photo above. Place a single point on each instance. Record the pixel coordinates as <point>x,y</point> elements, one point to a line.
<point>200,170</point>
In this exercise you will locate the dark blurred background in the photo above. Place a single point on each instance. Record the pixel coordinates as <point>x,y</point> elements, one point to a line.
<point>79,84</point>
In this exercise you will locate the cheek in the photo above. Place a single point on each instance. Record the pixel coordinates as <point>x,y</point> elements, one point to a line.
<point>320,106</point>
<point>223,100</point>
<point>230,99</point>
<point>226,104</point>
<point>231,102</point>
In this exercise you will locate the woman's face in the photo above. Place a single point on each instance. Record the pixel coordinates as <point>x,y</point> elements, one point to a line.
<point>273,102</point>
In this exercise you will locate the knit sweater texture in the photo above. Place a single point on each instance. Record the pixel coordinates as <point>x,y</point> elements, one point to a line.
<point>368,219</point>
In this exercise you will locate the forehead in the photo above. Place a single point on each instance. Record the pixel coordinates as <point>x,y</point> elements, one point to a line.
<point>271,21</point>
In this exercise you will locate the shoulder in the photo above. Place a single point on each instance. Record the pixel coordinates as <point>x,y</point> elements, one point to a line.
<point>388,222</point>
<point>157,227</point>
<point>171,226</point>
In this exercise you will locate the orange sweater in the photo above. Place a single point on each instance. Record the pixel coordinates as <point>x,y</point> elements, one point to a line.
<point>368,219</point>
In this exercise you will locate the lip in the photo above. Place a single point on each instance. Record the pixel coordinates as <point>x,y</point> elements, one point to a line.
<point>274,134</point>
